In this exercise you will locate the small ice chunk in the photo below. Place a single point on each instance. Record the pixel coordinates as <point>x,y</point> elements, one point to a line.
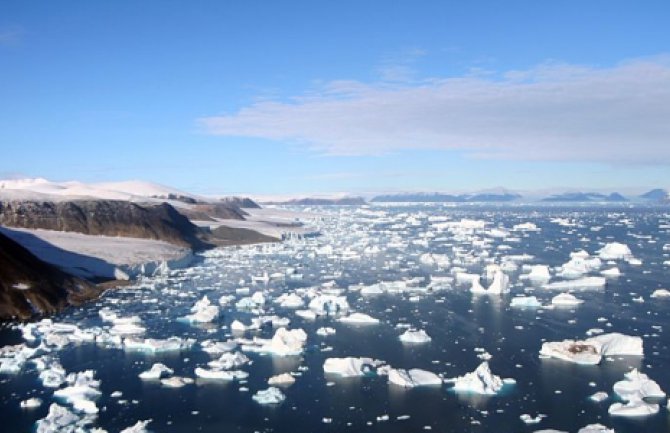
<point>203,311</point>
<point>176,381</point>
<point>599,396</point>
<point>31,403</point>
<point>359,319</point>
<point>415,337</point>
<point>139,427</point>
<point>272,395</point>
<point>226,375</point>
<point>525,302</point>
<point>156,372</point>
<point>595,428</point>
<point>614,251</point>
<point>325,331</point>
<point>661,293</point>
<point>229,361</point>
<point>565,300</point>
<point>284,379</point>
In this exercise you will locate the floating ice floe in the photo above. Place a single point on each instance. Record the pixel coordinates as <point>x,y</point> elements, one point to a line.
<point>565,300</point>
<point>499,285</point>
<point>217,347</point>
<point>599,396</point>
<point>176,381</point>
<point>525,302</point>
<point>538,274</point>
<point>31,403</point>
<point>415,337</point>
<point>579,283</point>
<point>218,374</point>
<point>202,311</point>
<point>359,319</point>
<point>61,419</point>
<point>325,331</point>
<point>229,361</point>
<point>615,251</point>
<point>661,293</point>
<point>290,300</point>
<point>351,367</point>
<point>591,350</point>
<point>156,372</point>
<point>272,395</point>
<point>634,390</point>
<point>139,427</point>
<point>284,343</point>
<point>153,345</point>
<point>284,379</point>
<point>611,272</point>
<point>81,391</point>
<point>595,428</point>
<point>480,381</point>
<point>323,305</point>
<point>413,378</point>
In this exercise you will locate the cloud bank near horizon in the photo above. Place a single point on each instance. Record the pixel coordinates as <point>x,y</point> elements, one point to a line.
<point>552,112</point>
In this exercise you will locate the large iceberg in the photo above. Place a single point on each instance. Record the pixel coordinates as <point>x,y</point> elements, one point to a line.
<point>591,350</point>
<point>350,366</point>
<point>413,378</point>
<point>635,389</point>
<point>81,391</point>
<point>284,343</point>
<point>480,381</point>
<point>615,251</point>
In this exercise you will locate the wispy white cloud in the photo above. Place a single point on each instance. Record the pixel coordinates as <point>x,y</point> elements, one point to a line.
<point>618,114</point>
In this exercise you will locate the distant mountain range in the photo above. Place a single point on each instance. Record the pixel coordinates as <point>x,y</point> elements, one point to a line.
<point>446,198</point>
<point>315,201</point>
<point>655,195</point>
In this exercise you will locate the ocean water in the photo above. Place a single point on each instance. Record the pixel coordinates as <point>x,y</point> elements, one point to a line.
<point>366,246</point>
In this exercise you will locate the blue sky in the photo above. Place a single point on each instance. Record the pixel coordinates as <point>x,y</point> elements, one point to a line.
<point>312,97</point>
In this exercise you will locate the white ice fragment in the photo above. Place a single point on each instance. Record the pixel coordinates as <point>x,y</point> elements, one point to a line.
<point>156,372</point>
<point>411,336</point>
<point>350,366</point>
<point>329,305</point>
<point>359,319</point>
<point>325,331</point>
<point>31,403</point>
<point>225,375</point>
<point>480,381</point>
<point>139,427</point>
<point>661,293</point>
<point>525,302</point>
<point>614,251</point>
<point>284,343</point>
<point>290,300</point>
<point>413,378</point>
<point>272,395</point>
<point>229,361</point>
<point>176,381</point>
<point>611,272</point>
<point>591,350</point>
<point>595,428</point>
<point>579,283</point>
<point>82,389</point>
<point>284,379</point>
<point>599,396</point>
<point>202,311</point>
<point>565,300</point>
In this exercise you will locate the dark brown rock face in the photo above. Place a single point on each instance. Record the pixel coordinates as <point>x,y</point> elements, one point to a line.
<point>29,286</point>
<point>103,217</point>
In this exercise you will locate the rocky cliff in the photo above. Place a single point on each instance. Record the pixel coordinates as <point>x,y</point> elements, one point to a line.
<point>29,286</point>
<point>104,217</point>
